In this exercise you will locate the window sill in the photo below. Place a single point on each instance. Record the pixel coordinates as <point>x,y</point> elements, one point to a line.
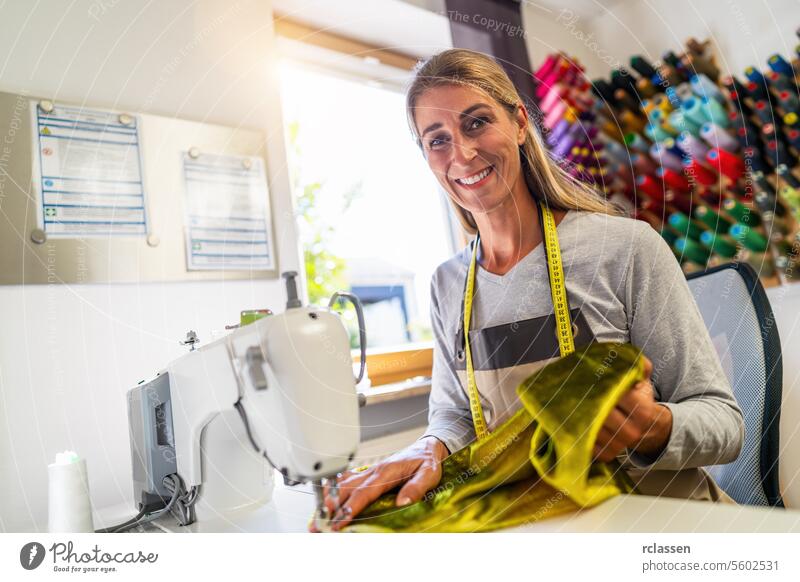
<point>397,391</point>
<point>398,364</point>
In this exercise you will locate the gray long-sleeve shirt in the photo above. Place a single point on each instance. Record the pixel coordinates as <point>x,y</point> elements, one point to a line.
<point>628,286</point>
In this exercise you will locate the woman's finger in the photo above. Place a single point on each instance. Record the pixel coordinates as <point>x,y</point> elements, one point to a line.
<point>624,429</point>
<point>426,478</point>
<point>346,486</point>
<point>608,446</point>
<point>641,407</point>
<point>375,486</point>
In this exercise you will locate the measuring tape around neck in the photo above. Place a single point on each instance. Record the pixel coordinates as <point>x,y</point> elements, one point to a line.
<point>566,344</point>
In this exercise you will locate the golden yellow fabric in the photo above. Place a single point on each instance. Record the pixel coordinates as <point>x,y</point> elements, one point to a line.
<point>535,465</point>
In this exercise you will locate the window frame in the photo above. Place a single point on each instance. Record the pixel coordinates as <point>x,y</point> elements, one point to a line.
<point>351,59</point>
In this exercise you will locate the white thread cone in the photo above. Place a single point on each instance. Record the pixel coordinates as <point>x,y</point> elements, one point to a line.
<point>69,508</point>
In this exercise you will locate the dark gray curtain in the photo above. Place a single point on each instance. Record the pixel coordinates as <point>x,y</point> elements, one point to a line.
<point>494,27</point>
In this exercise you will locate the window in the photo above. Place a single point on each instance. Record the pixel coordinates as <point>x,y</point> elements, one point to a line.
<point>372,216</point>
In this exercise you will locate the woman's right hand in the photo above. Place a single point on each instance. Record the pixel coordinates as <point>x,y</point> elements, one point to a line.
<point>419,466</point>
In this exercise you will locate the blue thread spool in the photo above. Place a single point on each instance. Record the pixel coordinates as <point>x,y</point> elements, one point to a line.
<point>716,112</point>
<point>682,123</point>
<point>778,64</point>
<point>705,87</point>
<point>693,108</point>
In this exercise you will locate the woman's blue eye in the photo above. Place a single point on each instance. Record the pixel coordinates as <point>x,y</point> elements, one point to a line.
<point>478,122</point>
<point>435,142</point>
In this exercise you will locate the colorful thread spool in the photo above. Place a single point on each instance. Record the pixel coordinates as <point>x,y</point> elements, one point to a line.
<point>684,225</point>
<point>715,111</point>
<point>700,172</point>
<point>741,213</point>
<point>749,238</point>
<point>692,146</point>
<point>693,108</point>
<point>715,136</point>
<point>711,219</point>
<point>728,164</point>
<point>680,121</point>
<point>702,86</point>
<point>718,244</point>
<point>692,250</point>
<point>674,180</point>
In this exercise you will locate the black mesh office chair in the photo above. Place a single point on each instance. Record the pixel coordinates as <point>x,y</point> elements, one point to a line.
<point>739,319</point>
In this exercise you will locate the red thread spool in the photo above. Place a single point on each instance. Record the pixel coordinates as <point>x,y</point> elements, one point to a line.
<point>642,163</point>
<point>682,202</point>
<point>650,186</point>
<point>701,173</point>
<point>730,165</point>
<point>654,206</point>
<point>674,180</point>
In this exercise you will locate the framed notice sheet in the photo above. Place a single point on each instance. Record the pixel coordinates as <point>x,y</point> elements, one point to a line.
<point>88,169</point>
<point>227,219</point>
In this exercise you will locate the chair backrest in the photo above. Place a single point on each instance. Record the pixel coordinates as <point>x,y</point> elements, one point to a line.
<point>739,319</point>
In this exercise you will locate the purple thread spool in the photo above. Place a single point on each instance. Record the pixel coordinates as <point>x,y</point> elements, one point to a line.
<point>693,146</point>
<point>715,136</point>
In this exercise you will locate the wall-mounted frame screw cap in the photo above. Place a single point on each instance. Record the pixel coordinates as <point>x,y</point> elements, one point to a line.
<point>38,236</point>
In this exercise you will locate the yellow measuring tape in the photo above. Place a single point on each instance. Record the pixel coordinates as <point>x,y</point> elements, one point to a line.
<point>566,344</point>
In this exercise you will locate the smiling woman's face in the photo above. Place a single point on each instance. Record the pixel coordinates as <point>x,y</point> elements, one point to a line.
<point>471,144</point>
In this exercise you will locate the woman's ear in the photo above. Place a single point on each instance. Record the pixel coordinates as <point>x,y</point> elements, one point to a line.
<point>522,122</point>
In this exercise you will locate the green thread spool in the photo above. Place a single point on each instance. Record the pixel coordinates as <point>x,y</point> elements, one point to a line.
<point>716,112</point>
<point>635,142</point>
<point>692,250</point>
<point>680,121</point>
<point>741,212</point>
<point>656,132</point>
<point>718,244</point>
<point>693,108</point>
<point>684,225</point>
<point>749,238</point>
<point>711,219</point>
<point>669,236</point>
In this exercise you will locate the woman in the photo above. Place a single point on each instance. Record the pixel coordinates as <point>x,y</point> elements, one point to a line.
<point>623,285</point>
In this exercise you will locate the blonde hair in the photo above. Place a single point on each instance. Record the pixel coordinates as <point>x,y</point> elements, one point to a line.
<point>546,180</point>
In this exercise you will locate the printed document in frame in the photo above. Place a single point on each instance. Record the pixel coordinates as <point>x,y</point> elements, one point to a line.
<point>88,171</point>
<point>227,220</point>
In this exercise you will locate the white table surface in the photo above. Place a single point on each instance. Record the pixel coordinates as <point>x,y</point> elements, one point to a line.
<point>291,509</point>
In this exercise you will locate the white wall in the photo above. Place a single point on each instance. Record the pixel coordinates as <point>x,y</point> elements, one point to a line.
<point>68,353</point>
<point>602,33</point>
<point>550,29</point>
<point>744,32</point>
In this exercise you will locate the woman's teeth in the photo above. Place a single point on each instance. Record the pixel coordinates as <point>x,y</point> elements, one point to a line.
<point>475,178</point>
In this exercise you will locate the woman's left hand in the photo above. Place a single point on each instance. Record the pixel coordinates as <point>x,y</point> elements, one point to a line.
<point>637,422</point>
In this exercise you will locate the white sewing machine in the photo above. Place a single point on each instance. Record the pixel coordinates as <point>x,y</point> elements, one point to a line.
<point>279,391</point>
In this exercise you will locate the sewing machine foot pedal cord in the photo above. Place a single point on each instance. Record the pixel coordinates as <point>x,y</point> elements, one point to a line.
<point>180,505</point>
